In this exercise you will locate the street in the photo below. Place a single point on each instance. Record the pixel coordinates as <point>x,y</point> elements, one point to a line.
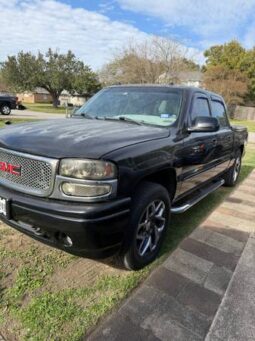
<point>27,114</point>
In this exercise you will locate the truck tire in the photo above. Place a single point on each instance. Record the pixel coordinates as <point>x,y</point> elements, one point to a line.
<point>149,220</point>
<point>233,173</point>
<point>5,109</point>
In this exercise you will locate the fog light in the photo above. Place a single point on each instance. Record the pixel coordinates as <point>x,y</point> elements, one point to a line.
<point>64,239</point>
<point>81,190</point>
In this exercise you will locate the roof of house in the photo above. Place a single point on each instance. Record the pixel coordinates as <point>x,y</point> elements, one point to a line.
<point>37,90</point>
<point>40,90</point>
<point>67,93</point>
<point>183,76</point>
<point>194,76</point>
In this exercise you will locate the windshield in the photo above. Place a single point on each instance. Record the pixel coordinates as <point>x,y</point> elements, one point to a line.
<point>156,106</point>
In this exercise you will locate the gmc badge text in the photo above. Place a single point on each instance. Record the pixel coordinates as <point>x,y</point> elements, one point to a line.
<point>105,181</point>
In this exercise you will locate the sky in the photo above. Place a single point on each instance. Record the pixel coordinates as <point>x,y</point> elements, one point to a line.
<point>96,30</point>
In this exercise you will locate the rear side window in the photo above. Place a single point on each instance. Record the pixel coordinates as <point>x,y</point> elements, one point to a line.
<point>200,108</point>
<point>219,112</point>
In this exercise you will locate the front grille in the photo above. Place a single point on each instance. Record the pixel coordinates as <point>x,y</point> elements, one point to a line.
<point>37,173</point>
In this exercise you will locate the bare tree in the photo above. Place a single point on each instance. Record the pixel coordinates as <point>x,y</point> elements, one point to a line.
<point>171,56</point>
<point>158,60</point>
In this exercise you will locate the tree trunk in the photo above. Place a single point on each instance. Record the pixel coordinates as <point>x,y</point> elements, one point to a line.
<point>55,100</point>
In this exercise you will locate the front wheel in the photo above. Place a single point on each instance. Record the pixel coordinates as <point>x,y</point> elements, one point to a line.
<point>5,109</point>
<point>233,173</point>
<point>149,221</point>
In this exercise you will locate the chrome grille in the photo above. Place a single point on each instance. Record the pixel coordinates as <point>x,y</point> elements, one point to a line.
<point>37,173</point>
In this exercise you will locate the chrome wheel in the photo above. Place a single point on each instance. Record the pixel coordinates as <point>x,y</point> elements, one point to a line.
<point>5,110</point>
<point>150,227</point>
<point>237,168</point>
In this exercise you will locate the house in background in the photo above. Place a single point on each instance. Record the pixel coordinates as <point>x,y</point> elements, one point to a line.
<point>76,100</point>
<point>39,95</point>
<point>189,78</point>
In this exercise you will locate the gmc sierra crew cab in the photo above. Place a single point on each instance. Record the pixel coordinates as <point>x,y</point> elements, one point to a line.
<point>105,181</point>
<point>7,103</point>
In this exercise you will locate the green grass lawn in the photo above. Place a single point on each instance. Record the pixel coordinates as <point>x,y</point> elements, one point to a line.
<point>45,107</point>
<point>249,124</point>
<point>249,159</point>
<point>38,298</point>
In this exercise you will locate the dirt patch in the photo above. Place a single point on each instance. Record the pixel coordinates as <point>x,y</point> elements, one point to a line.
<point>81,272</point>
<point>13,241</point>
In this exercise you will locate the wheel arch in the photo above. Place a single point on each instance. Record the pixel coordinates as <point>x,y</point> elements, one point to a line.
<point>166,178</point>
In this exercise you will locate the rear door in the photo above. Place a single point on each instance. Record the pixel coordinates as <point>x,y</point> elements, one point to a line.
<point>198,154</point>
<point>224,137</point>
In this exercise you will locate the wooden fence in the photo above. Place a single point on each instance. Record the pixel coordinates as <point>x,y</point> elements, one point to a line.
<point>244,113</point>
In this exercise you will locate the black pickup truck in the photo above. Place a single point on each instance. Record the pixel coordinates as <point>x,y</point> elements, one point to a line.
<point>105,181</point>
<point>7,103</point>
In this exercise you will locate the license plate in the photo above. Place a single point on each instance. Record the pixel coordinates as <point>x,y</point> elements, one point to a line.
<point>3,207</point>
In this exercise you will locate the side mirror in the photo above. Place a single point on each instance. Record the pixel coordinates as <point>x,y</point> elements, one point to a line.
<point>204,124</point>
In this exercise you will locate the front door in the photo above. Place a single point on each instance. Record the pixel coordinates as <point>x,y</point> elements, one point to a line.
<point>198,154</point>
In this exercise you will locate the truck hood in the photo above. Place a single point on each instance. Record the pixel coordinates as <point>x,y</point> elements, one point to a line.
<point>73,137</point>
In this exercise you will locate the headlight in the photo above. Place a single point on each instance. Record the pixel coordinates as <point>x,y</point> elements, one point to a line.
<point>81,190</point>
<point>87,169</point>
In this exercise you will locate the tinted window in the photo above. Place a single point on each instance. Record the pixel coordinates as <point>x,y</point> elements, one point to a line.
<point>218,111</point>
<point>200,108</point>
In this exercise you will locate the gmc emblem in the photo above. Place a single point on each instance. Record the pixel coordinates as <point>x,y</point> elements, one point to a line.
<point>9,168</point>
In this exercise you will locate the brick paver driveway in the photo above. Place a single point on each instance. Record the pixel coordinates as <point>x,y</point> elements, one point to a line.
<point>180,299</point>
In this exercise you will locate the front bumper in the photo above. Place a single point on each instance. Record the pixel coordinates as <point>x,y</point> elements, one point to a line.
<point>96,230</point>
<point>13,105</point>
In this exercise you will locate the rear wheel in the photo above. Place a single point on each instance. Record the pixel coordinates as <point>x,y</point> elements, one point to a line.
<point>233,173</point>
<point>149,221</point>
<point>5,109</point>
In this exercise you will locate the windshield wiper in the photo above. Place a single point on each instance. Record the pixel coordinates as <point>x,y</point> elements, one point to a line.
<point>122,118</point>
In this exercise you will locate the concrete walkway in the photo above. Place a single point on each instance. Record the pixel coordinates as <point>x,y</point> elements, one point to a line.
<point>235,317</point>
<point>204,290</point>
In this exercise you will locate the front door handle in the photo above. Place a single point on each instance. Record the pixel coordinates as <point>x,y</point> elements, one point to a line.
<point>214,142</point>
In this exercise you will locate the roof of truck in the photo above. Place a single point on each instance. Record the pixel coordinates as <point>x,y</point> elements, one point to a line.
<point>191,89</point>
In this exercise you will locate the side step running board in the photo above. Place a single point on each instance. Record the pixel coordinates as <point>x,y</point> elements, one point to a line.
<point>201,195</point>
